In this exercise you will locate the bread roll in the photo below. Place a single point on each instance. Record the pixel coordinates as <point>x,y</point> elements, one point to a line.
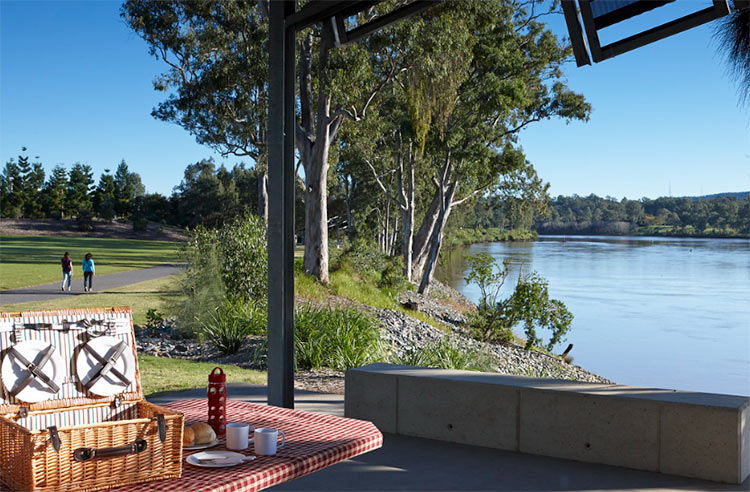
<point>203,433</point>
<point>188,436</point>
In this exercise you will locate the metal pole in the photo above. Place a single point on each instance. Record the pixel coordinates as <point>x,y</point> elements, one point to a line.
<point>281,77</point>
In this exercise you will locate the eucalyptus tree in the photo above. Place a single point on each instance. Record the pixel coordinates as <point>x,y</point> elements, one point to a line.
<point>217,70</point>
<point>513,80</point>
<point>217,58</point>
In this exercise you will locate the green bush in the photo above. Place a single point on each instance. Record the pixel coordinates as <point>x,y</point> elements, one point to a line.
<point>85,219</point>
<point>238,250</point>
<point>392,276</point>
<point>227,263</point>
<point>529,305</point>
<point>229,325</point>
<point>446,354</point>
<point>140,224</point>
<point>338,338</point>
<point>364,257</point>
<point>244,258</point>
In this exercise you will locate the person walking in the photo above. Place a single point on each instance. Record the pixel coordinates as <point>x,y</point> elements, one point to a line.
<point>88,271</point>
<point>67,269</point>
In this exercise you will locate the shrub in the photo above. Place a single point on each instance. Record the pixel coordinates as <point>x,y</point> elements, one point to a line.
<point>446,354</point>
<point>140,224</point>
<point>229,325</point>
<point>529,305</point>
<point>364,257</point>
<point>338,338</point>
<point>85,220</point>
<point>154,319</point>
<point>244,258</point>
<point>392,276</point>
<point>230,262</point>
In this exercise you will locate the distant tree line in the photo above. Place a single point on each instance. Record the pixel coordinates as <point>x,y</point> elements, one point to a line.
<point>722,214</point>
<point>208,195</point>
<point>26,192</point>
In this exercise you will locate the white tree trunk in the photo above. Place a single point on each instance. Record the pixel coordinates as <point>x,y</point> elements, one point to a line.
<point>436,241</point>
<point>263,197</point>
<point>407,214</point>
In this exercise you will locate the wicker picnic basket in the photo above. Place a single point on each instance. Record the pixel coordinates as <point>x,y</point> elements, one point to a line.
<point>72,413</point>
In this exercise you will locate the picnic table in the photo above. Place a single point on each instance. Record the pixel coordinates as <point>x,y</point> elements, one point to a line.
<point>313,441</point>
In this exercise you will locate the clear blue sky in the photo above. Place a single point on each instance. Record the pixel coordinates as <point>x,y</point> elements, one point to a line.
<point>75,86</point>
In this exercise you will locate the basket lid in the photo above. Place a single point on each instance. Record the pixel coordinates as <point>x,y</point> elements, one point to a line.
<point>65,358</point>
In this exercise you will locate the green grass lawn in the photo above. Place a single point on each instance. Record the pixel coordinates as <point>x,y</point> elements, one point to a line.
<point>141,297</point>
<point>34,260</point>
<point>163,375</point>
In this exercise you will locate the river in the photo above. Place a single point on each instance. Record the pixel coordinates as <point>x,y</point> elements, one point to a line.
<point>659,312</point>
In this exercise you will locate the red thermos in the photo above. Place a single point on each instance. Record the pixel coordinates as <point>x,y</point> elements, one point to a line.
<point>217,401</point>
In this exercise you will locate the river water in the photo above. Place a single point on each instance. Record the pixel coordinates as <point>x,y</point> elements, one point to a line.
<point>659,312</point>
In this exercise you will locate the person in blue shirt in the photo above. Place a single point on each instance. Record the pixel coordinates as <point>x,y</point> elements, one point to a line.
<point>88,271</point>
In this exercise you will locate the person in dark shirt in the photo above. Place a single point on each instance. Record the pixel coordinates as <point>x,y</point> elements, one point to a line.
<point>67,268</point>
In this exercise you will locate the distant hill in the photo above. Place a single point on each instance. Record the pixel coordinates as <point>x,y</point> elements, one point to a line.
<point>735,194</point>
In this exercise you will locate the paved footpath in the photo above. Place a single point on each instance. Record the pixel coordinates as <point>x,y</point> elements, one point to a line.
<point>102,283</point>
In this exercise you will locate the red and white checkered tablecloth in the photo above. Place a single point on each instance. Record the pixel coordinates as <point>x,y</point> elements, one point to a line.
<point>313,441</point>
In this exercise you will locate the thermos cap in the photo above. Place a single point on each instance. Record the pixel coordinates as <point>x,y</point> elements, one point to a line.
<point>219,377</point>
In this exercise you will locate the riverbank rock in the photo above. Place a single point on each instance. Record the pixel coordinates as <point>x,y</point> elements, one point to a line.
<point>404,334</point>
<point>401,334</point>
<point>431,307</point>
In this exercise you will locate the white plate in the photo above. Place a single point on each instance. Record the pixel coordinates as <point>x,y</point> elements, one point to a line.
<point>201,446</point>
<point>222,459</point>
<point>109,384</point>
<point>13,372</point>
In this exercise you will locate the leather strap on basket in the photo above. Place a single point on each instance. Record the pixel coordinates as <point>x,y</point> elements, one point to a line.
<point>162,425</point>
<point>85,454</point>
<point>105,366</point>
<point>54,438</point>
<point>34,370</point>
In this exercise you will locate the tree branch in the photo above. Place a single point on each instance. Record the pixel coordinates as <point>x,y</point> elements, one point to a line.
<point>382,186</point>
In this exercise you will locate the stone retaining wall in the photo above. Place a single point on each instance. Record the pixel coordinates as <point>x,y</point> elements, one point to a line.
<point>697,435</point>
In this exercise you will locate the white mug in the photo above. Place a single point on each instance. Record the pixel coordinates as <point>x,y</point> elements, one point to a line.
<point>266,441</point>
<point>238,435</point>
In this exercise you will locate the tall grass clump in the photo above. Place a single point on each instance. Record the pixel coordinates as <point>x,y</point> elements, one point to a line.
<point>228,326</point>
<point>445,354</point>
<point>337,338</point>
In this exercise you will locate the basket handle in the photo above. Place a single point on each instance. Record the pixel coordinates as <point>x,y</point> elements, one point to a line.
<point>85,454</point>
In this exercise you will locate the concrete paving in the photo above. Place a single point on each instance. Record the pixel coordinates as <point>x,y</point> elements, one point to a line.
<point>102,283</point>
<point>407,463</point>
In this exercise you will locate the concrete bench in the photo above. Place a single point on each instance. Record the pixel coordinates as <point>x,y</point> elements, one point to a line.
<point>697,435</point>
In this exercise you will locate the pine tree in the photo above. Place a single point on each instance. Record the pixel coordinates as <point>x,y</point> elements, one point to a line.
<point>80,182</point>
<point>33,182</point>
<point>54,193</point>
<point>104,196</point>
<point>24,169</point>
<point>128,186</point>
<point>11,191</point>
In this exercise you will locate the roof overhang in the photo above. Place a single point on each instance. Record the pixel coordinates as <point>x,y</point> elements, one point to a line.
<point>335,12</point>
<point>599,14</point>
